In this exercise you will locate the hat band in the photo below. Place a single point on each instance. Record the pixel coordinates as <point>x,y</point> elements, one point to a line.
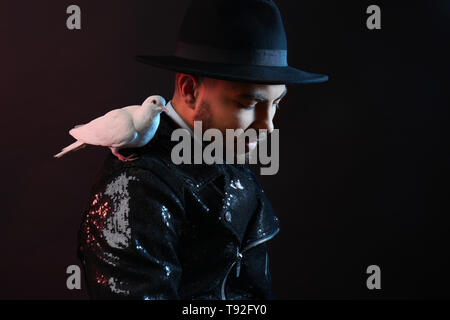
<point>257,57</point>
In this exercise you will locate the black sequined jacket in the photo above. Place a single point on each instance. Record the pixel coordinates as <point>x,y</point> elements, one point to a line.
<point>156,230</point>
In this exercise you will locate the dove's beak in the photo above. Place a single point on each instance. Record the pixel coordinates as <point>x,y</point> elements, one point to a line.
<point>165,109</point>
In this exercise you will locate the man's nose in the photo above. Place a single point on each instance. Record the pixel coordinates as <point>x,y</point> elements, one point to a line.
<point>264,120</point>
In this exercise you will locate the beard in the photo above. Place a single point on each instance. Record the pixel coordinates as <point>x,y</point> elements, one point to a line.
<point>204,115</point>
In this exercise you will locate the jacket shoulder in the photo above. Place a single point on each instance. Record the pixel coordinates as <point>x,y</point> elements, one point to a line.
<point>150,162</point>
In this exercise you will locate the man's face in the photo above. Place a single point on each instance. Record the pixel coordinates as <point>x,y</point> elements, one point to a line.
<point>237,105</point>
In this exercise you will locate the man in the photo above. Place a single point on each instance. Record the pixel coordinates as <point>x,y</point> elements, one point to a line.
<point>157,230</point>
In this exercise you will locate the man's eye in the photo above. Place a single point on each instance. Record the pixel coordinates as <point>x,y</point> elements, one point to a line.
<point>277,105</point>
<point>246,107</point>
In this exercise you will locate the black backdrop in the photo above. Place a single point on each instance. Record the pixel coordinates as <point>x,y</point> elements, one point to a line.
<point>364,157</point>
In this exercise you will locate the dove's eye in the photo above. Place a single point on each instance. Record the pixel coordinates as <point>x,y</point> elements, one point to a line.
<point>154,101</point>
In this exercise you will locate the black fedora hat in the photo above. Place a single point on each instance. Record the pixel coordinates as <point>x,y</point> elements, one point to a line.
<point>236,40</point>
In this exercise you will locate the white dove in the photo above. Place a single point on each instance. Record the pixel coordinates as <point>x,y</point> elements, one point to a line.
<point>128,127</point>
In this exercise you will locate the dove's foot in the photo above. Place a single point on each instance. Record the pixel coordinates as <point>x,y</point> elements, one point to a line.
<point>122,158</point>
<point>129,158</point>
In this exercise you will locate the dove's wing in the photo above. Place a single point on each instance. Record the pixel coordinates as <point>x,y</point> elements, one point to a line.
<point>114,129</point>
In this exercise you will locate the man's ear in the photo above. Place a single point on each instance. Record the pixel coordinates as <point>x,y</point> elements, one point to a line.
<point>188,89</point>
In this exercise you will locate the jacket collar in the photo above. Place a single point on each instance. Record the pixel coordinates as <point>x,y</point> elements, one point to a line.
<point>173,114</point>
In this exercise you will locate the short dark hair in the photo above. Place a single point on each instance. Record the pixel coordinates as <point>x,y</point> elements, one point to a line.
<point>198,78</point>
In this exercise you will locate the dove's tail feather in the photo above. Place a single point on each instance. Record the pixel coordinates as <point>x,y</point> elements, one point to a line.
<point>70,148</point>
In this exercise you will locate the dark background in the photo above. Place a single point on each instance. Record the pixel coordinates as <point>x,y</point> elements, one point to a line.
<point>364,158</point>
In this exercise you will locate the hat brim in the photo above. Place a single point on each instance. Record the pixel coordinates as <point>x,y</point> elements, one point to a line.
<point>245,73</point>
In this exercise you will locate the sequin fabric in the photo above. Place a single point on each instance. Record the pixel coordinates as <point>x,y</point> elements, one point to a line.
<point>153,230</point>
